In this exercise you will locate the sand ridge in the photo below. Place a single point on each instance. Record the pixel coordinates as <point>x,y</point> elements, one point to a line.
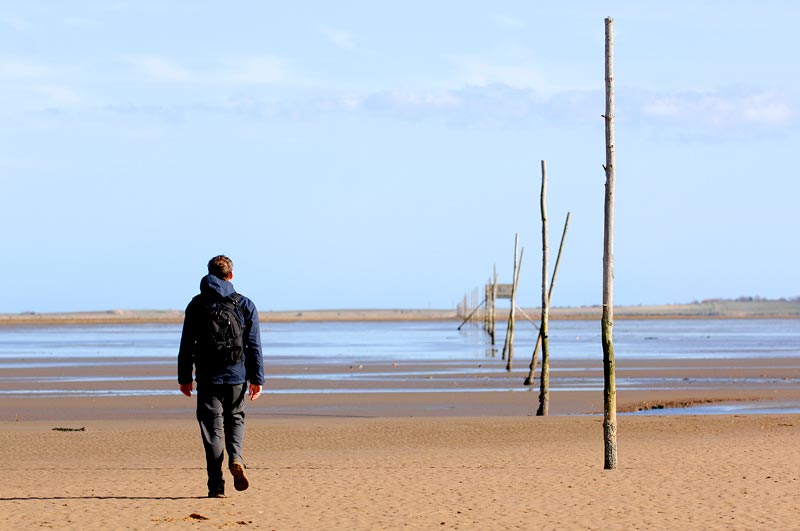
<point>712,309</point>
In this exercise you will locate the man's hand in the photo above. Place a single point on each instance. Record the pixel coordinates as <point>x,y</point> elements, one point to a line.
<point>255,391</point>
<point>186,389</point>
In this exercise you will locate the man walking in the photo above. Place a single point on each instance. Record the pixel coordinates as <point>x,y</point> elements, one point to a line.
<point>222,344</point>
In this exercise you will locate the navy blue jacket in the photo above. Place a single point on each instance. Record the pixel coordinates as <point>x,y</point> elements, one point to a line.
<point>250,369</point>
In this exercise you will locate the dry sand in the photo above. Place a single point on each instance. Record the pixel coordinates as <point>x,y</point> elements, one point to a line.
<point>686,472</point>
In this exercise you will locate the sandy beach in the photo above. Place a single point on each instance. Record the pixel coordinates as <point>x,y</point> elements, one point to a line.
<point>407,445</point>
<point>387,461</point>
<point>311,473</point>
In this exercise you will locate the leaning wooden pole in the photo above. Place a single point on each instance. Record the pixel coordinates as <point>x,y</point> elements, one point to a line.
<point>607,322</point>
<point>467,318</point>
<point>508,345</point>
<point>544,381</point>
<point>513,314</point>
<point>535,356</point>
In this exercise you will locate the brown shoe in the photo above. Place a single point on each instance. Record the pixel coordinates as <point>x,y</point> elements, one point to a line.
<point>240,481</point>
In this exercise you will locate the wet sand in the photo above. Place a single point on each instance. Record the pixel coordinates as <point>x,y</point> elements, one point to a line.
<point>477,388</point>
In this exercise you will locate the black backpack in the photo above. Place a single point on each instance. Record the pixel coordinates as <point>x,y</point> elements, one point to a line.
<point>221,339</point>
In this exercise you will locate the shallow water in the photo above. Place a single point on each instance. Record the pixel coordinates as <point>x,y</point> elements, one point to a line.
<point>366,357</point>
<point>727,408</point>
<point>404,341</point>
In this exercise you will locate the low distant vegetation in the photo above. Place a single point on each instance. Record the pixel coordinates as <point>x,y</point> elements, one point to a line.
<point>754,298</point>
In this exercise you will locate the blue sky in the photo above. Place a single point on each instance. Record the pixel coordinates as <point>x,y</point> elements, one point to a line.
<point>381,155</point>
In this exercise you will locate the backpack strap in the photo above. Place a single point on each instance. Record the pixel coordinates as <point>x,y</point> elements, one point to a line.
<point>236,298</point>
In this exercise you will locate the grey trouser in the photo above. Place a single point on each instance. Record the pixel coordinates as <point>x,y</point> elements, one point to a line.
<point>220,412</point>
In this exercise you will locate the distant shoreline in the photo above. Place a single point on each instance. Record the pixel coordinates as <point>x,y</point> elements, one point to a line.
<point>722,309</point>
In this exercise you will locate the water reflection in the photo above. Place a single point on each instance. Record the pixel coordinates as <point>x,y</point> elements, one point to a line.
<point>401,357</point>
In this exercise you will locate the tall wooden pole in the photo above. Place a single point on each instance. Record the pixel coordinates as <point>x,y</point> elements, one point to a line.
<point>607,322</point>
<point>474,304</point>
<point>535,356</point>
<point>491,305</point>
<point>493,311</point>
<point>544,387</point>
<point>486,297</point>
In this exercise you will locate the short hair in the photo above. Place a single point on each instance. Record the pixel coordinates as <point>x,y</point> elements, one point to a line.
<point>221,267</point>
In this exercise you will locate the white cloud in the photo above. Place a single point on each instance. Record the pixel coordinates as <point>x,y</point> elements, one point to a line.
<point>513,92</point>
<point>724,109</point>
<point>509,22</point>
<point>662,107</point>
<point>520,68</point>
<point>37,86</point>
<point>423,99</point>
<point>20,69</point>
<point>258,70</point>
<point>488,104</point>
<point>349,102</point>
<point>261,70</point>
<point>338,37</point>
<point>765,110</point>
<point>479,72</point>
<point>161,69</point>
<point>16,23</point>
<point>79,22</point>
<point>57,95</point>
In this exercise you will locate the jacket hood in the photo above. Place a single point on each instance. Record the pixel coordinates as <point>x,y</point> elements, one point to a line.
<point>214,286</point>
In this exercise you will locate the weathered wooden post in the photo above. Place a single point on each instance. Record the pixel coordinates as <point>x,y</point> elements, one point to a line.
<point>513,312</point>
<point>607,322</point>
<point>486,297</point>
<point>474,304</point>
<point>508,345</point>
<point>544,381</point>
<point>535,356</point>
<point>493,311</point>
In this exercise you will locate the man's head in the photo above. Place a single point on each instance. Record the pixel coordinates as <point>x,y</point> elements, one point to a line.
<point>221,267</point>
